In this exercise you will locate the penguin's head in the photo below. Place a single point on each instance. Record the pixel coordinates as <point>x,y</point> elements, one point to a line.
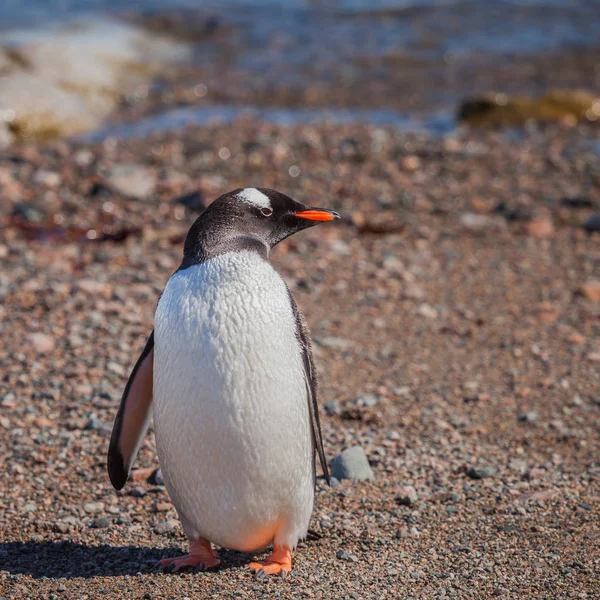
<point>256,216</point>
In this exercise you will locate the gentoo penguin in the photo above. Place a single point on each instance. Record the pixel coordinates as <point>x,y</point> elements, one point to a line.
<point>229,372</point>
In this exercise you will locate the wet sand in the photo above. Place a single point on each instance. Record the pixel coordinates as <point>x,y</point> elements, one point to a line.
<point>460,295</point>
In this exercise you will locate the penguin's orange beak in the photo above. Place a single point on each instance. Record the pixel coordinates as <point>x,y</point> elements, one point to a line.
<point>318,214</point>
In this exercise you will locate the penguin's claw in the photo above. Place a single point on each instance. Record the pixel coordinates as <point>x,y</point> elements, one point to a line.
<point>200,563</point>
<point>279,563</point>
<point>202,557</point>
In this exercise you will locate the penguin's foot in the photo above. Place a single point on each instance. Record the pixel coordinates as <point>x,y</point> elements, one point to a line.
<point>202,556</point>
<point>279,563</point>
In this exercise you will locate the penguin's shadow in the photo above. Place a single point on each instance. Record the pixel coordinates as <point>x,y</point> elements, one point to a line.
<point>64,559</point>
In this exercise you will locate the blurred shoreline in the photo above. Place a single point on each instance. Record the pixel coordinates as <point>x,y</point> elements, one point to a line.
<point>409,61</point>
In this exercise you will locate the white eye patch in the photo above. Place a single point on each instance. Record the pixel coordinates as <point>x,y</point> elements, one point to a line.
<point>254,197</point>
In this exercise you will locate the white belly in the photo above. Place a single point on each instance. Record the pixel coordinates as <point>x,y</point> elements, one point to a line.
<point>230,405</point>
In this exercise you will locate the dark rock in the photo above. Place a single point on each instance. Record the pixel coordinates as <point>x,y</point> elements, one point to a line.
<point>514,213</point>
<point>100,523</point>
<point>577,202</point>
<point>343,555</point>
<point>94,424</point>
<point>138,492</point>
<point>193,201</point>
<point>157,478</point>
<point>100,191</point>
<point>529,417</point>
<point>481,473</point>
<point>592,224</point>
<point>28,213</point>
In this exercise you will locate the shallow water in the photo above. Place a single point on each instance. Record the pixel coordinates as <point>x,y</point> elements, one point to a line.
<point>419,26</point>
<point>434,124</point>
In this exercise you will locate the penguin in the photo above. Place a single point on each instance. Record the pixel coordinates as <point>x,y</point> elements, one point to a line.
<point>229,376</point>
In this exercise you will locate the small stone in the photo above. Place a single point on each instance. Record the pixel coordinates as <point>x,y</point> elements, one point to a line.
<point>29,507</point>
<point>367,401</point>
<point>536,473</point>
<point>115,368</point>
<point>539,495</point>
<point>476,223</point>
<point>335,343</point>
<point>41,342</point>
<point>138,492</point>
<point>162,506</point>
<point>100,523</point>
<point>403,533</point>
<point>594,357</point>
<point>29,213</point>
<point>6,136</point>
<point>403,390</point>
<point>427,311</point>
<point>592,224</point>
<point>482,473</point>
<point>193,201</point>
<point>540,228</point>
<point>95,288</point>
<point>332,408</point>
<point>352,463</point>
<point>83,158</point>
<point>343,555</point>
<point>529,417</point>
<point>413,291</point>
<point>165,527</point>
<point>50,179</point>
<point>590,290</point>
<point>518,465</point>
<point>123,520</point>
<point>94,424</point>
<point>406,495</point>
<point>392,264</point>
<point>93,508</point>
<point>415,575</point>
<point>134,181</point>
<point>576,338</point>
<point>157,478</point>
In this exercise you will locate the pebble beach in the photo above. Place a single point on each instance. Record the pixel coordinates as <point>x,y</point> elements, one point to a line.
<point>455,312</point>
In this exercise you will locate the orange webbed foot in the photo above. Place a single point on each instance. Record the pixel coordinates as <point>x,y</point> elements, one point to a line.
<point>279,563</point>
<point>201,557</point>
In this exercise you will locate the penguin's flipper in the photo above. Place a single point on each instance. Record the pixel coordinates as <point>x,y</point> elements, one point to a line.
<point>310,373</point>
<point>132,418</point>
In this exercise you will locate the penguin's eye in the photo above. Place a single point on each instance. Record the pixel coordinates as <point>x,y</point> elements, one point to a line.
<point>266,212</point>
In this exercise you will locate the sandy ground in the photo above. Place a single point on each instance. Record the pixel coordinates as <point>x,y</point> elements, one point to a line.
<point>460,293</point>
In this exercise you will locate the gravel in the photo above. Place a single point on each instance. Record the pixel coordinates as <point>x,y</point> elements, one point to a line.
<point>87,270</point>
